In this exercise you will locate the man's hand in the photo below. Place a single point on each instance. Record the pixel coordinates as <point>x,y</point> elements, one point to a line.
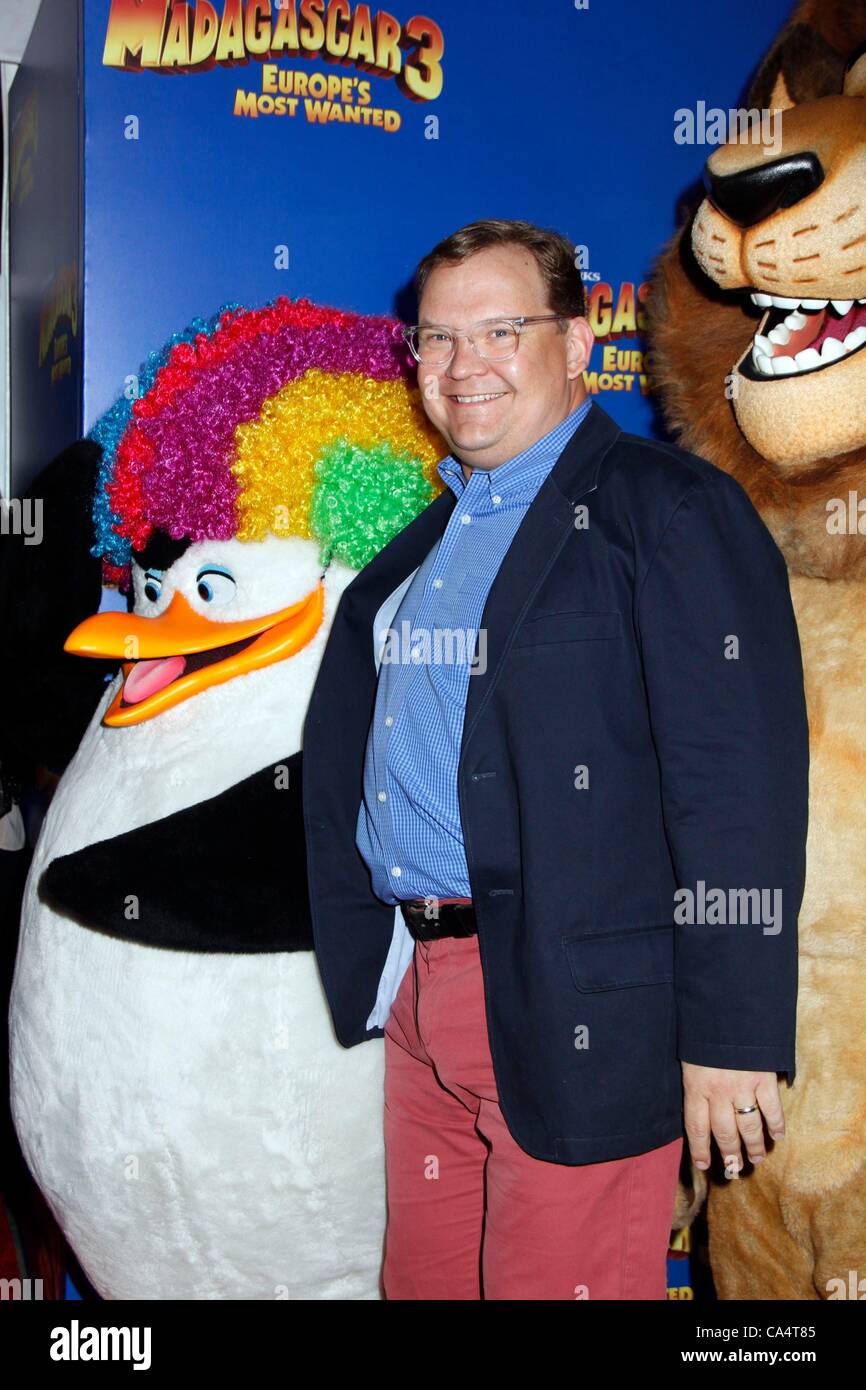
<point>710,1097</point>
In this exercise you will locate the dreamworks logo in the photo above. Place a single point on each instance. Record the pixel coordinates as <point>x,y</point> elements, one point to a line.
<point>438,646</point>
<point>738,126</point>
<point>717,907</point>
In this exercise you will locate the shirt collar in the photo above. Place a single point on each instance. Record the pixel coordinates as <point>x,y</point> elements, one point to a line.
<point>526,471</point>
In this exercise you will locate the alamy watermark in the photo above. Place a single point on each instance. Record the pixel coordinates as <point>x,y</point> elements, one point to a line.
<point>77,1343</point>
<point>730,907</point>
<point>438,646</point>
<point>854,1288</point>
<point>22,516</point>
<point>738,126</point>
<point>847,518</point>
<point>23,1290</point>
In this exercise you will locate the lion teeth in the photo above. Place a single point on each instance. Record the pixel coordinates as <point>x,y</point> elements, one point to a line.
<point>832,350</point>
<point>783,301</point>
<point>766,356</point>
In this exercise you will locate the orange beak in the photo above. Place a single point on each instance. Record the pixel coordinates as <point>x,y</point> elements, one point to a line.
<point>172,657</point>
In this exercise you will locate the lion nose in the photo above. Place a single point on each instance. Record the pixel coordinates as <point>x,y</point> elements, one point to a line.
<point>753,194</point>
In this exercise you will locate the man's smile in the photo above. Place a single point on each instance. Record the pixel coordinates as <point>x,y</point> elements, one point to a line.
<point>478,399</point>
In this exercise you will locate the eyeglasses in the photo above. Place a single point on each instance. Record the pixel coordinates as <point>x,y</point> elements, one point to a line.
<point>492,339</point>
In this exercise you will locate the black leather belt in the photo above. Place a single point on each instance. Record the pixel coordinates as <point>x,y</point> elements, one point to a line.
<point>430,922</point>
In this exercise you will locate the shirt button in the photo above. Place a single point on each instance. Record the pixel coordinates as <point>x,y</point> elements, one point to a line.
<point>396,871</point>
<point>437,583</point>
<point>466,518</point>
<point>383,796</point>
<point>497,500</point>
<point>389,720</point>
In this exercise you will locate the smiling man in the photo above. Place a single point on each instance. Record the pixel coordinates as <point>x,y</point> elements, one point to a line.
<point>497,849</point>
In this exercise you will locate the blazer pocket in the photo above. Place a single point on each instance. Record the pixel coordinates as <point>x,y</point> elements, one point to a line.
<point>621,960</point>
<point>567,627</point>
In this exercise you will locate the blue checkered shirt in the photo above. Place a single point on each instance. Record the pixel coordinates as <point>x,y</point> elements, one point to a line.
<point>409,832</point>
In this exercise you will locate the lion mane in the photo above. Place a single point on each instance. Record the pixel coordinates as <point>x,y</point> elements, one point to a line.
<point>698,331</point>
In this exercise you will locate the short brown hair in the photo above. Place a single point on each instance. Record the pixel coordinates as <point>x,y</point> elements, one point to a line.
<point>554,255</point>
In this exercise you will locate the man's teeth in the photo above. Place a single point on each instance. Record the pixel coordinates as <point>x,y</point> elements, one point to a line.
<point>491,396</point>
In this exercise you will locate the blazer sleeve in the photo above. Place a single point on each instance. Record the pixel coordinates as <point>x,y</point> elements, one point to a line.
<point>724,681</point>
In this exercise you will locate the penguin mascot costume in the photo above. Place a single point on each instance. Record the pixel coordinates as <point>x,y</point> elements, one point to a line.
<point>177,1088</point>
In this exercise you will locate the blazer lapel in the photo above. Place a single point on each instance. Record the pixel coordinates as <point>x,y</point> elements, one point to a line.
<point>539,538</point>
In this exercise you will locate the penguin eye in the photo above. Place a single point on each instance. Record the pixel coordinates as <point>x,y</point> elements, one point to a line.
<point>215,585</point>
<point>153,584</point>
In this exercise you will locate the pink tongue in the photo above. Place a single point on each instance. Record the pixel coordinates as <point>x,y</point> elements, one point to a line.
<point>840,328</point>
<point>146,677</point>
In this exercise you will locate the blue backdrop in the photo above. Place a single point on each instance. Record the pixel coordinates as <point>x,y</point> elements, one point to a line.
<point>557,113</point>
<point>149,197</point>
<point>142,195</point>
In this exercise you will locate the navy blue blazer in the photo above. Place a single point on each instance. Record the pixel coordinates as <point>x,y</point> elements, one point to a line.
<point>639,729</point>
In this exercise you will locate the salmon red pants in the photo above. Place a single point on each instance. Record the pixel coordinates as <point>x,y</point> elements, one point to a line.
<point>471,1215</point>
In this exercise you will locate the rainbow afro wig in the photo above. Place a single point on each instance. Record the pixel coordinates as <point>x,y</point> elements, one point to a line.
<point>293,419</point>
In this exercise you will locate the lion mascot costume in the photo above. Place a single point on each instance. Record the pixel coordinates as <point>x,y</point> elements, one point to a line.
<point>758,357</point>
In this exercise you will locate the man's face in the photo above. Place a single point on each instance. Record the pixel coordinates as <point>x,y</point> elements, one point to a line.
<point>532,391</point>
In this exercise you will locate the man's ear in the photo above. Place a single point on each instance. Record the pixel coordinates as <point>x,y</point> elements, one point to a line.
<point>579,345</point>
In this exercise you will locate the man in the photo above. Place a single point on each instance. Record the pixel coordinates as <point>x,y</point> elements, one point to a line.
<point>561,874</point>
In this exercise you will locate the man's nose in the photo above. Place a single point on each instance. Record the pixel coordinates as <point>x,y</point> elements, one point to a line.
<point>753,194</point>
<point>466,361</point>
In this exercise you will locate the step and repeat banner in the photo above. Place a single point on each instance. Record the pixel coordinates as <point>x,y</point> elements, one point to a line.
<point>168,157</point>
<point>182,156</point>
<point>241,149</point>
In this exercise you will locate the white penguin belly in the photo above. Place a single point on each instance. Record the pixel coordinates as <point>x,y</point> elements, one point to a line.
<point>193,1122</point>
<point>191,1118</point>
